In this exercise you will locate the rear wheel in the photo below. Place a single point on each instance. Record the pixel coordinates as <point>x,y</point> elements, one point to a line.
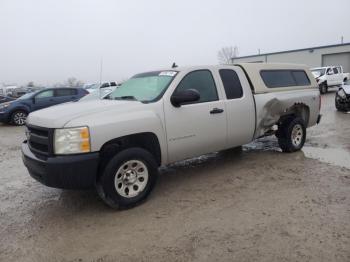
<point>128,178</point>
<point>18,118</point>
<point>323,88</point>
<point>291,134</point>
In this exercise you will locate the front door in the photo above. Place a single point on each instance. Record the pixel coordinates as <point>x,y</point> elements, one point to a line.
<point>331,78</point>
<point>197,128</point>
<point>44,99</point>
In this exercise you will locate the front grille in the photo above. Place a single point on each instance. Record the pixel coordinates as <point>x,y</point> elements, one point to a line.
<point>40,140</point>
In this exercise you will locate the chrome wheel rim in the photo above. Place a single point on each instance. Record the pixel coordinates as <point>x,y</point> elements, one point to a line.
<point>20,118</point>
<point>297,135</point>
<point>131,178</point>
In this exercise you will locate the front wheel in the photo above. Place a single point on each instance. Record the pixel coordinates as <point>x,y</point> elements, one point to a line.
<point>128,178</point>
<point>291,134</point>
<point>18,118</point>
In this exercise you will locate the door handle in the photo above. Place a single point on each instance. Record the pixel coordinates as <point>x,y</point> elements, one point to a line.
<point>216,111</point>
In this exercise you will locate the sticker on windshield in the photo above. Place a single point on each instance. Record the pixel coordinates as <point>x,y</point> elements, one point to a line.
<point>167,73</point>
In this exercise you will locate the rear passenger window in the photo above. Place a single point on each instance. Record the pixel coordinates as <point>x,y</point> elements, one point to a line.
<point>335,70</point>
<point>66,92</point>
<point>232,85</point>
<point>203,82</point>
<point>301,78</point>
<point>284,78</point>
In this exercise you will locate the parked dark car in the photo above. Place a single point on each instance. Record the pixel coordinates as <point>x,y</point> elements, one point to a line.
<point>342,97</point>
<point>4,99</point>
<point>16,112</point>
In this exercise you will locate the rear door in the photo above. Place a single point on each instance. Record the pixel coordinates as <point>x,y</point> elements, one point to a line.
<point>200,127</point>
<point>340,75</point>
<point>337,76</point>
<point>63,95</point>
<point>239,106</point>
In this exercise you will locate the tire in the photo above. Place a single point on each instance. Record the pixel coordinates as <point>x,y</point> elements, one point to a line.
<point>18,118</point>
<point>323,88</point>
<point>291,134</point>
<point>128,178</point>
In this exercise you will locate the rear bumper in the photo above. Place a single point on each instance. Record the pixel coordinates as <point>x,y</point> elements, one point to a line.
<point>66,172</point>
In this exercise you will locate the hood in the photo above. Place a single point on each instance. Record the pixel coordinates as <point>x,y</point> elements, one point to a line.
<point>316,74</point>
<point>346,89</point>
<point>58,116</point>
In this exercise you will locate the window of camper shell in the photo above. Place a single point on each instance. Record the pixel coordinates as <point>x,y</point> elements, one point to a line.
<point>284,78</point>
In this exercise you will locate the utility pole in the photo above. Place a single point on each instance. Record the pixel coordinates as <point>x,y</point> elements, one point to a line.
<point>101,68</point>
<point>259,51</point>
<point>342,39</point>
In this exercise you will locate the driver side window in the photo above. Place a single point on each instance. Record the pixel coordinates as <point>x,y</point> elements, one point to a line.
<point>203,82</point>
<point>45,94</point>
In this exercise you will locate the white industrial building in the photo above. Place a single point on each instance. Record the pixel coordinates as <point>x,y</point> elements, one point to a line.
<point>313,56</point>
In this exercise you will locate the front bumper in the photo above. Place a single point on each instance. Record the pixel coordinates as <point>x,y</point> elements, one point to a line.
<point>343,103</point>
<point>66,172</point>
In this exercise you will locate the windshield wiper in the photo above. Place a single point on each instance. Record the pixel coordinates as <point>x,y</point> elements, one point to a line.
<point>125,98</point>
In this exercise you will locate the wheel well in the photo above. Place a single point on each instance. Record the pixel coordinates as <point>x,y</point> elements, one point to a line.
<point>16,110</point>
<point>298,110</point>
<point>147,141</point>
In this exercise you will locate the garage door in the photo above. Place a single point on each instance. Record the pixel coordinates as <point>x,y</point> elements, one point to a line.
<point>342,59</point>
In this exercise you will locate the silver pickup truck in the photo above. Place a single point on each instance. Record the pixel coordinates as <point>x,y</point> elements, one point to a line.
<point>116,144</point>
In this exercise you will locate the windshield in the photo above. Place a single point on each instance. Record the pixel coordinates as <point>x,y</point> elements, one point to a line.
<point>144,87</point>
<point>318,72</point>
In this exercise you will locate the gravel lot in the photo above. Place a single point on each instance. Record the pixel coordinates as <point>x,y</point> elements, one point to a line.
<point>257,204</point>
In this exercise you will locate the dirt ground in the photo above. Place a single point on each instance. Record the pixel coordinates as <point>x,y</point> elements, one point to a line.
<point>257,204</point>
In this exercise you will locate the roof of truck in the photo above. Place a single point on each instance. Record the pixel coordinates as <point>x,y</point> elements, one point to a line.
<point>253,71</point>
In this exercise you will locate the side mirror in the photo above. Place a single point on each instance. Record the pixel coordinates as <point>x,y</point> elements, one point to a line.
<point>184,96</point>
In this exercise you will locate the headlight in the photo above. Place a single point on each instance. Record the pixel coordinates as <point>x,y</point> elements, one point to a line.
<point>3,106</point>
<point>341,93</point>
<point>72,141</point>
